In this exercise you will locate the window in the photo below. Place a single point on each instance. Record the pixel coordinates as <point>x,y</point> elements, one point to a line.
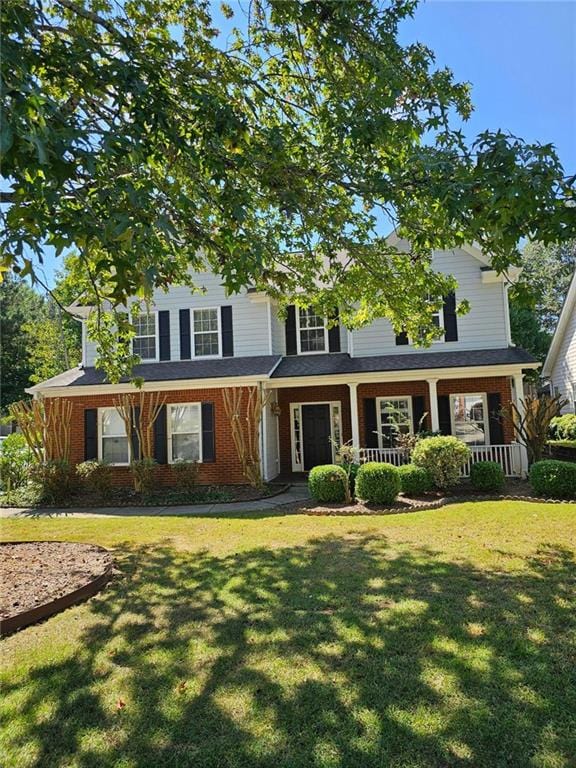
<point>574,396</point>
<point>114,446</point>
<point>395,417</point>
<point>469,418</point>
<point>312,332</point>
<point>144,342</point>
<point>184,432</point>
<point>206,333</point>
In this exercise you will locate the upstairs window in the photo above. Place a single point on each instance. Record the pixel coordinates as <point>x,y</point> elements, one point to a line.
<point>312,332</point>
<point>144,342</point>
<point>470,418</point>
<point>185,432</point>
<point>206,333</point>
<point>113,447</point>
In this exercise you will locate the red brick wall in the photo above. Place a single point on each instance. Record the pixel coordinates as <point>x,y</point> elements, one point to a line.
<point>325,394</point>
<point>225,469</point>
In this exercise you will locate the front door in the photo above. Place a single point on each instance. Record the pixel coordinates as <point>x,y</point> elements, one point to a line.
<point>316,435</point>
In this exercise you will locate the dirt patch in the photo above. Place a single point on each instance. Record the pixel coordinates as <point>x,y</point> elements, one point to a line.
<point>33,574</point>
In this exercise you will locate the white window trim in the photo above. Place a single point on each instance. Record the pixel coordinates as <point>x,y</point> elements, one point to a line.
<point>156,339</point>
<point>297,408</point>
<point>169,431</point>
<point>379,401</point>
<point>194,356</point>
<point>441,326</point>
<point>101,438</point>
<point>480,395</point>
<point>298,342</point>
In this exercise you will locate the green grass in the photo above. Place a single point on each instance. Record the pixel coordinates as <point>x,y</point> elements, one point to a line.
<point>442,638</point>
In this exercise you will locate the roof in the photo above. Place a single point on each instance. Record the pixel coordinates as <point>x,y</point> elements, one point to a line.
<point>325,365</point>
<point>567,313</point>
<point>229,367</point>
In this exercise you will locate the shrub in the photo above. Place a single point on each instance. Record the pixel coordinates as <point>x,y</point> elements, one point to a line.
<point>96,476</point>
<point>56,480</point>
<point>443,457</point>
<point>414,480</point>
<point>487,476</point>
<point>144,474</point>
<point>328,482</point>
<point>553,478</point>
<point>351,469</point>
<point>186,475</point>
<point>563,427</point>
<point>377,483</point>
<point>15,461</point>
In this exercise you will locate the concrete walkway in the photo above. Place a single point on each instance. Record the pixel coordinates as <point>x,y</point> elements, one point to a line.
<point>295,495</point>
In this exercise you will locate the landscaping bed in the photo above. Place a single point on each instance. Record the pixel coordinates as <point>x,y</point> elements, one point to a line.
<point>163,497</point>
<point>39,578</point>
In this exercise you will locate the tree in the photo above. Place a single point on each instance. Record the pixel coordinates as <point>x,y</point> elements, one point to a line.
<point>132,133</point>
<point>19,304</point>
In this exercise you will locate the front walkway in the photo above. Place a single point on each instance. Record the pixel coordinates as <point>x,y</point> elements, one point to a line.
<point>294,495</point>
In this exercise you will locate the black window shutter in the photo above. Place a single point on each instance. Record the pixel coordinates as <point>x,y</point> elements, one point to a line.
<point>161,437</point>
<point>185,348</point>
<point>334,335</point>
<point>370,423</point>
<point>401,339</point>
<point>495,421</point>
<point>418,411</point>
<point>227,331</point>
<point>208,441</point>
<point>291,345</point>
<point>90,434</point>
<point>134,436</point>
<point>445,422</point>
<point>164,334</point>
<point>450,321</point>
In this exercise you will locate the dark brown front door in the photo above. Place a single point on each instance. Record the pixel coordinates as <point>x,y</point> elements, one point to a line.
<point>316,435</point>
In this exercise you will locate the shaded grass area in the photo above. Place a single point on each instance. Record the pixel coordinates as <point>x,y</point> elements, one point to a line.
<point>432,639</point>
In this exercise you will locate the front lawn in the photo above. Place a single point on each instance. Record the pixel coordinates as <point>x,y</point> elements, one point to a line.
<point>443,638</point>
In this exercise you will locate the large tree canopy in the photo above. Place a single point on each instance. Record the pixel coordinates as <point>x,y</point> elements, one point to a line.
<point>133,133</point>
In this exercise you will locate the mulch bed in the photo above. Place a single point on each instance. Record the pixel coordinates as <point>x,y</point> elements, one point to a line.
<point>34,574</point>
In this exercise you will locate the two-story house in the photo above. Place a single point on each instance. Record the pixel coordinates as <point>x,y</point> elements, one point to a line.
<point>328,386</point>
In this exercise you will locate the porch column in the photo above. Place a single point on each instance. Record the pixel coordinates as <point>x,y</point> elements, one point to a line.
<point>354,416</point>
<point>433,395</point>
<point>518,397</point>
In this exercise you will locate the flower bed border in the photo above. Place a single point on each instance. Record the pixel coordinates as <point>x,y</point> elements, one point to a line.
<point>23,619</point>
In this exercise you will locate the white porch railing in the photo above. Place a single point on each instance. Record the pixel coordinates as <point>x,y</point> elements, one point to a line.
<point>510,457</point>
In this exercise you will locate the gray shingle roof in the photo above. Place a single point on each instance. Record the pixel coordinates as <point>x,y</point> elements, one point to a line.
<point>325,365</point>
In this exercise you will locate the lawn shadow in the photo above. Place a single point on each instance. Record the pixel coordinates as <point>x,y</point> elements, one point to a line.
<point>339,652</point>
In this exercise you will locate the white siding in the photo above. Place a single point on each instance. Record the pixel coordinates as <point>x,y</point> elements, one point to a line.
<point>484,327</point>
<point>249,318</point>
<point>563,376</point>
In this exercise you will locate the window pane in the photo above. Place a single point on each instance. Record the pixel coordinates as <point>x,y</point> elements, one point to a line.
<point>205,320</point>
<point>186,447</point>
<point>468,408</point>
<point>470,433</point>
<point>206,344</point>
<point>145,347</point>
<point>309,319</point>
<point>312,341</point>
<point>185,418</point>
<point>112,423</point>
<point>115,450</point>
<point>145,325</point>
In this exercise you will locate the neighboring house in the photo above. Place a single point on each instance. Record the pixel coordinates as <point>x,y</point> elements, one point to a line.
<point>328,386</point>
<point>560,363</point>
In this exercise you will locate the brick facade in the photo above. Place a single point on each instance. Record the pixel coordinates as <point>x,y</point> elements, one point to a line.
<point>226,468</point>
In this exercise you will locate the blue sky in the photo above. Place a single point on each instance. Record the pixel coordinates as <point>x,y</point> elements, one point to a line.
<point>519,56</point>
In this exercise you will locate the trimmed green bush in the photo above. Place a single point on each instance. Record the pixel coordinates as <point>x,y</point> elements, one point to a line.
<point>556,479</point>
<point>186,475</point>
<point>144,474</point>
<point>96,476</point>
<point>327,482</point>
<point>563,427</point>
<point>377,483</point>
<point>56,480</point>
<point>443,457</point>
<point>487,476</point>
<point>414,480</point>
